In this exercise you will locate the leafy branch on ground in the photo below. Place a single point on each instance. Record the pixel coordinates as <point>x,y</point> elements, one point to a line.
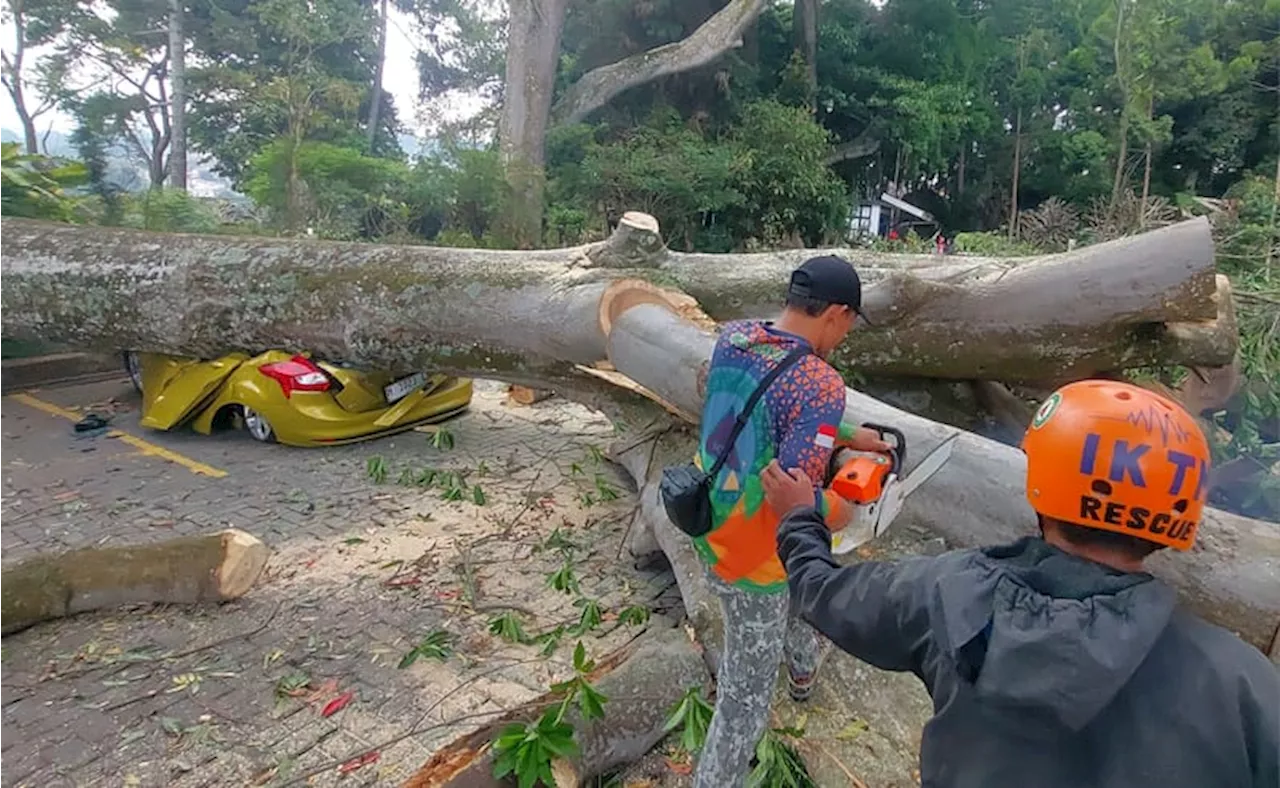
<point>437,645</point>
<point>441,439</point>
<point>526,750</point>
<point>634,615</point>
<point>778,765</point>
<point>508,627</point>
<point>692,716</point>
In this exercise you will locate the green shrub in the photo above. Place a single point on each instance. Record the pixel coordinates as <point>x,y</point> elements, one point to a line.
<point>992,244</point>
<point>168,210</point>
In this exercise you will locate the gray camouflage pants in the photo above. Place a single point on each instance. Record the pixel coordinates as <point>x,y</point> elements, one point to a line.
<point>760,629</point>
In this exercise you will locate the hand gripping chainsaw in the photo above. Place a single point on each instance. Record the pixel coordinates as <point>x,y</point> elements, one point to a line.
<point>872,482</point>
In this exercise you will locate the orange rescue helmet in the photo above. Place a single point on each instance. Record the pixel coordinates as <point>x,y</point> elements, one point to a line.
<point>1117,457</point>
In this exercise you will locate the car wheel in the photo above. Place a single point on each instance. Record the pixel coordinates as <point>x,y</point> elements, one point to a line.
<point>133,365</point>
<point>257,425</point>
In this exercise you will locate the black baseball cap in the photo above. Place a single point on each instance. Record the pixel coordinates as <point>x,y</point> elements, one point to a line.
<point>828,278</point>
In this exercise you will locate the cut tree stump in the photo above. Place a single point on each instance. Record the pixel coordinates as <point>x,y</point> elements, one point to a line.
<point>183,571</point>
<point>523,395</point>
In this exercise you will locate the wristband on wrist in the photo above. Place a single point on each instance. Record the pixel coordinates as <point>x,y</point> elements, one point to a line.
<point>846,431</point>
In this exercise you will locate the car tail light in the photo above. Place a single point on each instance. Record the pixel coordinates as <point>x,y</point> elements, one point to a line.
<point>296,374</point>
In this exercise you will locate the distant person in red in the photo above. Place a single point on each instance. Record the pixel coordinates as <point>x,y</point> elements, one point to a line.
<point>940,243</point>
<point>893,233</point>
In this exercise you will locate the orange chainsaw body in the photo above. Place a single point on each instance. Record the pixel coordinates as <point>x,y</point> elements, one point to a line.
<point>861,479</point>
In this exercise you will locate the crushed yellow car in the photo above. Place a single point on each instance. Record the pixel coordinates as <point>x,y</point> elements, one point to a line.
<point>289,398</point>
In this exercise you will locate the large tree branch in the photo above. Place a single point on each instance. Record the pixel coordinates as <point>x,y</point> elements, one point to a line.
<point>713,38</point>
<point>859,147</point>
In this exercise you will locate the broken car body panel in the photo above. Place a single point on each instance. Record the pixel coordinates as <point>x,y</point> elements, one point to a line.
<point>344,406</point>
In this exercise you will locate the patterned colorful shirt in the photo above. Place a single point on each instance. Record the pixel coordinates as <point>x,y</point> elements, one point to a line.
<point>796,421</point>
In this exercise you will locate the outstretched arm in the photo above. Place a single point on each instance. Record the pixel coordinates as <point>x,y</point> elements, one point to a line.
<point>874,610</point>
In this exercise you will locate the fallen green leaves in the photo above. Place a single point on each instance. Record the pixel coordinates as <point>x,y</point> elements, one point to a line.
<point>692,717</point>
<point>437,645</point>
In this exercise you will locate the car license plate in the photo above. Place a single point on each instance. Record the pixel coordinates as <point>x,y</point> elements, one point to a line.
<point>404,387</point>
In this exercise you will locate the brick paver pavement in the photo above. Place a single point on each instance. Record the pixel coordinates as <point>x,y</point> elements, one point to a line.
<point>361,572</point>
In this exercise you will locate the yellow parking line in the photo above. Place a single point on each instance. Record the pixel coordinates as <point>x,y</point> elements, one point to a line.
<point>146,447</point>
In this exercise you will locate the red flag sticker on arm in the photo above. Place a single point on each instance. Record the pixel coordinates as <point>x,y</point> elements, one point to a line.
<point>826,437</point>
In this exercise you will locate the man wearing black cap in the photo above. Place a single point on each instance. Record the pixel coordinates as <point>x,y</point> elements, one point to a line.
<point>798,423</point>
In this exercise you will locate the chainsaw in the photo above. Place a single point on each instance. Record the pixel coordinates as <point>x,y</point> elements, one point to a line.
<point>873,484</point>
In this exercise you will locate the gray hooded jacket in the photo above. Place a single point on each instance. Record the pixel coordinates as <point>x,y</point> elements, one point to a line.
<point>1048,670</point>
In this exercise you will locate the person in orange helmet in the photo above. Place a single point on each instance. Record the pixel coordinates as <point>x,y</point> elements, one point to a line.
<point>1058,661</point>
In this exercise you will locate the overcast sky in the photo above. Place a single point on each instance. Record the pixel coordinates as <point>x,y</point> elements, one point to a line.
<point>400,78</point>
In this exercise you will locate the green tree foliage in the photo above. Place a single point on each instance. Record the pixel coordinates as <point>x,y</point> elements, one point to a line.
<point>764,178</point>
<point>35,186</point>
<point>266,69</point>
<point>121,92</point>
<point>336,187</point>
<point>167,210</point>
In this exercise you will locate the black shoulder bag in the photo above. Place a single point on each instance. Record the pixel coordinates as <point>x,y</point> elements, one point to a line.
<point>686,490</point>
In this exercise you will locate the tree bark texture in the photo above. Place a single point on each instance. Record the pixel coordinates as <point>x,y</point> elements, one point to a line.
<point>525,317</point>
<point>533,52</point>
<point>178,97</point>
<point>804,39</point>
<point>183,571</point>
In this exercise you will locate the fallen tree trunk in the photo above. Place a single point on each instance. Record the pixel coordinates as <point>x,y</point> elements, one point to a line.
<point>1149,299</point>
<point>184,571</point>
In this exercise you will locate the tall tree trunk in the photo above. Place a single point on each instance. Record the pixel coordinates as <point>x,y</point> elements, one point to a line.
<point>1146,167</point>
<point>964,149</point>
<point>533,51</point>
<point>1275,202</point>
<point>804,37</point>
<point>13,78</point>
<point>177,98</point>
<point>30,139</point>
<point>1123,154</point>
<point>1017,170</point>
<point>375,103</point>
